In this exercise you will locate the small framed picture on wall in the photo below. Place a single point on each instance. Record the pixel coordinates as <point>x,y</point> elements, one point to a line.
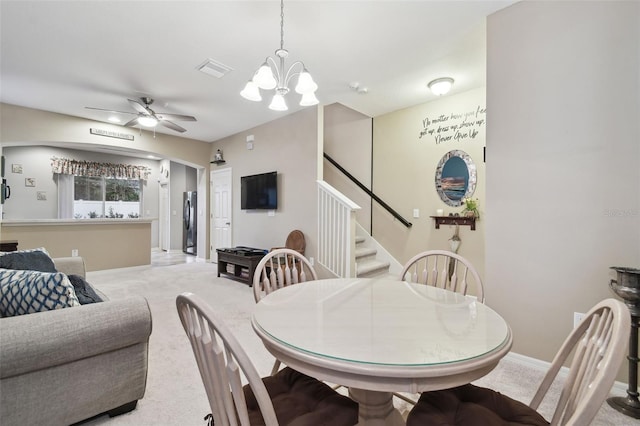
<point>29,182</point>
<point>16,168</point>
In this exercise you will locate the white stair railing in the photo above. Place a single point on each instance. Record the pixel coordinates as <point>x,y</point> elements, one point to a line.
<point>336,231</point>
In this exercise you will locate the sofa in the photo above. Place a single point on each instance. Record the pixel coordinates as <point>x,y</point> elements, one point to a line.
<point>62,366</point>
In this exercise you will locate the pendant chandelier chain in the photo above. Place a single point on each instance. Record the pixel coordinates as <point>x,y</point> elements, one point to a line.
<point>282,24</point>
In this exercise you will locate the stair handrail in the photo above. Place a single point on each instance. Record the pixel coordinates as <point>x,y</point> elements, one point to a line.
<point>353,179</point>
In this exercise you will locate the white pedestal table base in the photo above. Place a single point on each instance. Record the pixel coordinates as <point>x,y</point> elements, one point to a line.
<point>376,408</point>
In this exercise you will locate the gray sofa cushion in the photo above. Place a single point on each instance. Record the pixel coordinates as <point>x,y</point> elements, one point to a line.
<point>81,332</point>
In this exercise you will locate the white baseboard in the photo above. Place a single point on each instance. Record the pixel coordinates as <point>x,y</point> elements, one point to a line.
<point>619,388</point>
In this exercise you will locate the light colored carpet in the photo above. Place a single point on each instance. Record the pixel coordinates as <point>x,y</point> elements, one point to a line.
<point>175,394</point>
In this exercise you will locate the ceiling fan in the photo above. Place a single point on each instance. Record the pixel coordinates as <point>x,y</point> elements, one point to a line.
<point>147,117</point>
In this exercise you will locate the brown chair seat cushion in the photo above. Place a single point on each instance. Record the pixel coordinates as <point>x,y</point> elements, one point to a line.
<point>471,405</point>
<point>300,400</point>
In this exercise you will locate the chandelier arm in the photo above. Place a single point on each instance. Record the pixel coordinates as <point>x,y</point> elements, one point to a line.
<point>274,66</point>
<point>290,75</point>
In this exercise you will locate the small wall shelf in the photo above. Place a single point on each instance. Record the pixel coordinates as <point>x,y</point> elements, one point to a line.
<point>218,162</point>
<point>453,220</point>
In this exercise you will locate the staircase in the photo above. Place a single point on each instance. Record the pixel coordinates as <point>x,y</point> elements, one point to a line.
<point>350,250</point>
<point>371,259</point>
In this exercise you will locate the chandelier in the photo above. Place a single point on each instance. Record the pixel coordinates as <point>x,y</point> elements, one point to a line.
<point>271,75</point>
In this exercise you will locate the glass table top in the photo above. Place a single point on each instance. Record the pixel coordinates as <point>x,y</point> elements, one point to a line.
<point>380,321</point>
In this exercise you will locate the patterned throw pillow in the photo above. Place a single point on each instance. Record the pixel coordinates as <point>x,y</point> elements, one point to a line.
<point>25,292</point>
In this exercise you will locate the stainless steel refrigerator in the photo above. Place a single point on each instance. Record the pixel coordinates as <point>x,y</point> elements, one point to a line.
<point>190,223</point>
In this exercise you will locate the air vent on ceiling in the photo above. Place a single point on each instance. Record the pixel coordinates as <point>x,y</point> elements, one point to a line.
<point>214,68</point>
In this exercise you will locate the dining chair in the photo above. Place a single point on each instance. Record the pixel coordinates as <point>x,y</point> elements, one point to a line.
<point>280,268</point>
<point>598,345</point>
<point>295,241</point>
<point>444,269</point>
<point>287,398</point>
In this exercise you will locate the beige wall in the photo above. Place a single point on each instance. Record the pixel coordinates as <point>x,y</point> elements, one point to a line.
<point>287,145</point>
<point>404,166</point>
<point>348,140</point>
<point>105,245</point>
<point>563,203</point>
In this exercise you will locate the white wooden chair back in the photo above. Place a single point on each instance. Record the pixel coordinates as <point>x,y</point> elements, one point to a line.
<point>221,360</point>
<point>281,268</point>
<point>599,344</point>
<point>444,269</point>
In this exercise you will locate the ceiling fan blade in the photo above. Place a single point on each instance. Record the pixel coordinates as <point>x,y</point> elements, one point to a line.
<point>111,110</point>
<point>132,123</point>
<point>177,117</point>
<point>139,107</point>
<point>172,126</point>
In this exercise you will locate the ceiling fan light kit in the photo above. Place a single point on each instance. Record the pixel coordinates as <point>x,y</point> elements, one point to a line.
<point>272,76</point>
<point>147,121</point>
<point>147,117</point>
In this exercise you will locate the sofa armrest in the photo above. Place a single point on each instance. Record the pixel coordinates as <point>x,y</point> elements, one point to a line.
<point>71,265</point>
<point>46,339</point>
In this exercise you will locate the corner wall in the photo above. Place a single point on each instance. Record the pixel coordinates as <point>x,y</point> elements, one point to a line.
<point>563,203</point>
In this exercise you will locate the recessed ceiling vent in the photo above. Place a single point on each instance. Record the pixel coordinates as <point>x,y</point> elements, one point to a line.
<point>214,68</point>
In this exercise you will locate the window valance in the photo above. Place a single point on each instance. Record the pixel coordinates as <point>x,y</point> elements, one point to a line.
<point>93,169</point>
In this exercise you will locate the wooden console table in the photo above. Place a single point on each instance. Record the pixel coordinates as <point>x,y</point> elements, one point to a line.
<point>243,265</point>
<point>9,245</point>
<point>455,220</point>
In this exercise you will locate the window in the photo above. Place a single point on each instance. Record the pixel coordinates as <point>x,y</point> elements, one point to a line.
<point>95,197</point>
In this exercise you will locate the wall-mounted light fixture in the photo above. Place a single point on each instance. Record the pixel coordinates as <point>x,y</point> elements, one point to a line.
<point>440,86</point>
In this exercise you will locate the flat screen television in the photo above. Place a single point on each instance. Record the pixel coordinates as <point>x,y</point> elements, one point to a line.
<point>259,192</point>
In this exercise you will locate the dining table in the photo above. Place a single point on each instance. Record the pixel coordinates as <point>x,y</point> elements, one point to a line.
<point>378,336</point>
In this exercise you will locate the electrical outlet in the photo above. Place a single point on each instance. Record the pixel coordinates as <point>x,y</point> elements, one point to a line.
<point>74,252</point>
<point>311,261</point>
<point>577,317</point>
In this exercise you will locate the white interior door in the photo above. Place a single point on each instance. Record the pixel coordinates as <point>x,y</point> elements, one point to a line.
<point>164,226</point>
<point>221,226</point>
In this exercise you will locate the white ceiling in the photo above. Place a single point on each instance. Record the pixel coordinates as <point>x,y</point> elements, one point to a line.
<point>62,56</point>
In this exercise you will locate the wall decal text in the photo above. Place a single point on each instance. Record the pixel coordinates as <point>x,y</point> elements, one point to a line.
<point>455,126</point>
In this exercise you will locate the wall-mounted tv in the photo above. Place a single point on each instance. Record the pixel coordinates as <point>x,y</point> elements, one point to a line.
<point>259,191</point>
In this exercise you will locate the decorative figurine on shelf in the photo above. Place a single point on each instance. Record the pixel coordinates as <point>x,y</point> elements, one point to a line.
<point>218,158</point>
<point>471,207</point>
<point>454,241</point>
